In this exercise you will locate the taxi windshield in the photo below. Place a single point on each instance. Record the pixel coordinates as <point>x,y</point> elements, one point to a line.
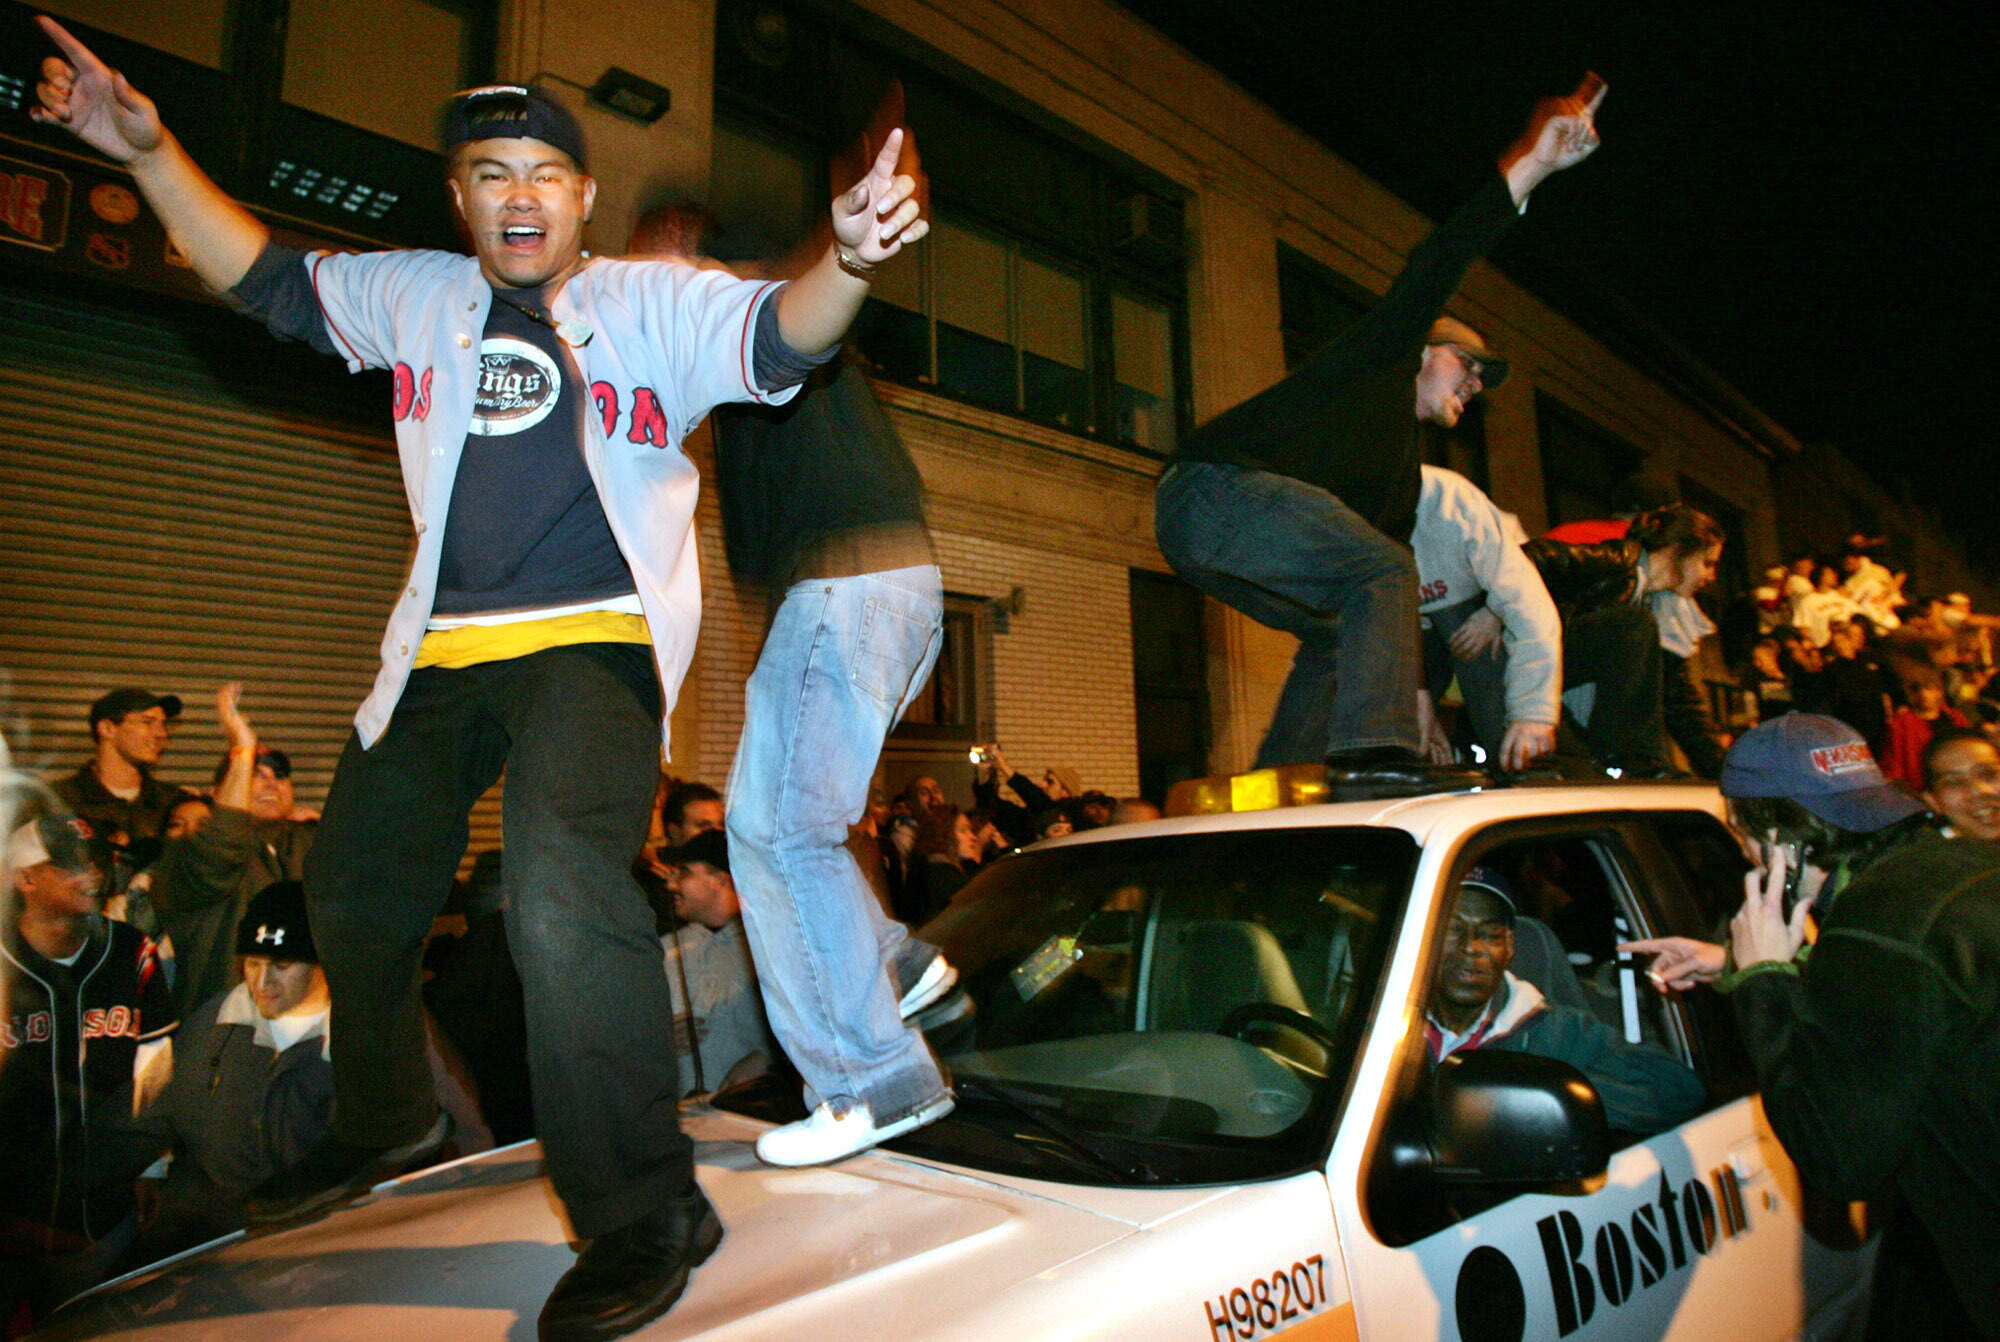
<point>1170,1009</point>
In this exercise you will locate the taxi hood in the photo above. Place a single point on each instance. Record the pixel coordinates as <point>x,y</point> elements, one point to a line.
<point>470,1250</point>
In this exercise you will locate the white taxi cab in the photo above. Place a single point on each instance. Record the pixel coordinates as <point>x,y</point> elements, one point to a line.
<point>1194,1101</point>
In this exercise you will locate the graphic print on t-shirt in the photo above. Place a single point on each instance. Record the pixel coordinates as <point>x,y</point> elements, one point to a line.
<point>518,387</point>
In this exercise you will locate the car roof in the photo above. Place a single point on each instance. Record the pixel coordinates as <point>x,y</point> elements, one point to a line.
<point>1421,816</point>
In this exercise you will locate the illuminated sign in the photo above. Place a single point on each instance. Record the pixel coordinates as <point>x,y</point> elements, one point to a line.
<point>34,205</point>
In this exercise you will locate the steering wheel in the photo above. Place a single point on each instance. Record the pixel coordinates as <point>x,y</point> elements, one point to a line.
<point>1237,1021</point>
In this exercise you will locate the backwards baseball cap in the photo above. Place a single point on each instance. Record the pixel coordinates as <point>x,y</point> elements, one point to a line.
<point>65,840</point>
<point>512,112</point>
<point>1493,883</point>
<point>279,763</point>
<point>710,846</point>
<point>1452,331</point>
<point>1822,764</point>
<point>115,705</point>
<point>274,924</point>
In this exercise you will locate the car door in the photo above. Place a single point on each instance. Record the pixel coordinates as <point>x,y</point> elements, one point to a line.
<point>1698,1231</point>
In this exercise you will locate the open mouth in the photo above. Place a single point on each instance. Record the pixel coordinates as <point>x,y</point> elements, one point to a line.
<point>522,237</point>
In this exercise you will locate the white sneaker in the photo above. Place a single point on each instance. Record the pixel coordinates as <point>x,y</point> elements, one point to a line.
<point>821,1137</point>
<point>936,980</point>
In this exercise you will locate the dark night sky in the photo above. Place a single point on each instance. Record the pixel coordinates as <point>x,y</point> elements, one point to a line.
<point>1805,197</point>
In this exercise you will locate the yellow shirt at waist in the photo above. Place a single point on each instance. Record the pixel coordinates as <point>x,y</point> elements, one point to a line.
<point>472,644</point>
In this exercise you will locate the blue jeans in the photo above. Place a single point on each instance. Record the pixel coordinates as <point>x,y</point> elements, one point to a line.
<point>1292,556</point>
<point>577,730</point>
<point>841,660</point>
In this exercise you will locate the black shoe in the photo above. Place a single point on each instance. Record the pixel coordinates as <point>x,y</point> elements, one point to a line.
<point>1370,772</point>
<point>335,1172</point>
<point>632,1275</point>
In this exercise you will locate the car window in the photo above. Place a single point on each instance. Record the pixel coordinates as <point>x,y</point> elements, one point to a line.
<point>1580,894</point>
<point>1712,864</point>
<point>1702,860</point>
<point>1186,1006</point>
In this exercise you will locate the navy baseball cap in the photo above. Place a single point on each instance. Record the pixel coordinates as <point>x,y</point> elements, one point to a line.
<point>274,925</point>
<point>1493,883</point>
<point>115,705</point>
<point>1822,764</point>
<point>512,112</point>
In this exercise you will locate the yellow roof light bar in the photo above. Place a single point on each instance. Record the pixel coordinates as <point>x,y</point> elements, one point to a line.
<point>1258,790</point>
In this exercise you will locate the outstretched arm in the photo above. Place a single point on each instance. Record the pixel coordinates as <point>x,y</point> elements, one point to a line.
<point>1561,133</point>
<point>95,103</point>
<point>871,223</point>
<point>1680,963</point>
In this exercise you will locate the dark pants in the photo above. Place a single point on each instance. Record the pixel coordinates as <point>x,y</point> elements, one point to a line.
<point>1616,651</point>
<point>1482,680</point>
<point>577,729</point>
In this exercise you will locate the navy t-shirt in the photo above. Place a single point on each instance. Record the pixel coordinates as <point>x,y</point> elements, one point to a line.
<point>526,530</point>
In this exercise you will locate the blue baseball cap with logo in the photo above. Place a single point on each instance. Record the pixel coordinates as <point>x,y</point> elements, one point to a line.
<point>512,112</point>
<point>1822,764</point>
<point>1489,880</point>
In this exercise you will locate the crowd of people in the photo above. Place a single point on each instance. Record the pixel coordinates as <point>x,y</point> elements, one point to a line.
<point>163,951</point>
<point>1894,667</point>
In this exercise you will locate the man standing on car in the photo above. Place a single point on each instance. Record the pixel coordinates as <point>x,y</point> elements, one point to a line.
<point>823,507</point>
<point>1296,506</point>
<point>545,625</point>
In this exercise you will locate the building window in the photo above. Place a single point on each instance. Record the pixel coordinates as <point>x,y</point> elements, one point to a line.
<point>194,30</point>
<point>1001,328</point>
<point>438,50</point>
<point>1142,349</point>
<point>947,710</point>
<point>766,181</point>
<point>1052,286</point>
<point>332,129</point>
<point>1462,447</point>
<point>1582,462</point>
<point>1315,304</point>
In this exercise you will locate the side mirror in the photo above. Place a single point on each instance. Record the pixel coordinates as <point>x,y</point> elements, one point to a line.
<point>1514,1118</point>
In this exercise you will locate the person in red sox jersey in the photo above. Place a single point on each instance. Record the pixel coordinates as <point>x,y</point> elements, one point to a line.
<point>84,1022</point>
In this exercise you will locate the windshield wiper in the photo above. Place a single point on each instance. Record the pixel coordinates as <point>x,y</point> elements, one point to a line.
<point>1029,1104</point>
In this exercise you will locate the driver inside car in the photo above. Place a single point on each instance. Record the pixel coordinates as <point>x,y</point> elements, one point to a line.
<point>1475,1002</point>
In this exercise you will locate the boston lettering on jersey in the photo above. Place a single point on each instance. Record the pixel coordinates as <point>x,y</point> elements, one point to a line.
<point>37,1027</point>
<point>645,421</point>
